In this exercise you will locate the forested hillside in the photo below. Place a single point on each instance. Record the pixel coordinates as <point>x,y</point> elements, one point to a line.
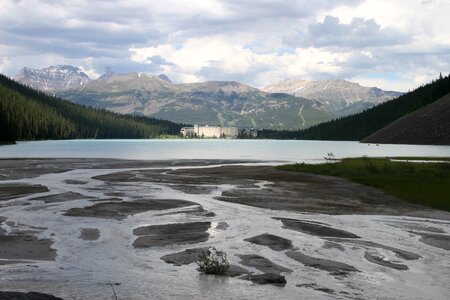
<point>26,114</point>
<point>429,125</point>
<point>361,125</point>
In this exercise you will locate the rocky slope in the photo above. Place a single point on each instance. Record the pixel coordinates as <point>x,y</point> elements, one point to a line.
<point>340,97</point>
<point>53,78</point>
<point>212,102</point>
<point>429,125</point>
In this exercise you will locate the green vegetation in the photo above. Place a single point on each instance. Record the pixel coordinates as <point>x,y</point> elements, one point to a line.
<point>361,125</point>
<point>213,103</point>
<point>421,183</point>
<point>26,114</point>
<point>213,261</point>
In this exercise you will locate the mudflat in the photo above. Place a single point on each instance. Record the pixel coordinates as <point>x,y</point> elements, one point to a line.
<point>20,246</point>
<point>154,218</point>
<point>11,191</point>
<point>120,210</point>
<point>171,234</point>
<point>304,192</point>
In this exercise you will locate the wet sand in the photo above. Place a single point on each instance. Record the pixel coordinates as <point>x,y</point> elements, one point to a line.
<point>171,234</point>
<point>272,241</point>
<point>185,257</point>
<point>27,296</point>
<point>314,228</point>
<point>262,264</point>
<point>69,196</point>
<point>12,191</point>
<point>25,247</point>
<point>303,192</point>
<point>121,210</point>
<point>20,246</point>
<point>436,240</point>
<point>379,259</point>
<point>310,235</point>
<point>89,234</point>
<point>331,266</point>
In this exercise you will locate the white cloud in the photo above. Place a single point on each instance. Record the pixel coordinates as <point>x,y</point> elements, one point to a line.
<point>225,56</point>
<point>403,42</point>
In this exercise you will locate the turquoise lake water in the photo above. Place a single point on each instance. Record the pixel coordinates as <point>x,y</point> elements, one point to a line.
<point>266,150</point>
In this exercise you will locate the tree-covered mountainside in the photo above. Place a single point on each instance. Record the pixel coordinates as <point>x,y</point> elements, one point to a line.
<point>26,114</point>
<point>429,125</point>
<point>228,103</point>
<point>361,125</point>
<point>213,102</point>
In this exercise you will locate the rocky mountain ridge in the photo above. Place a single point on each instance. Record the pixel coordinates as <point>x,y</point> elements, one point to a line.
<point>54,78</point>
<point>212,102</point>
<point>340,97</point>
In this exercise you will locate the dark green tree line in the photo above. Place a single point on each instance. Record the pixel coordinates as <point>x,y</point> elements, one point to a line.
<point>363,124</point>
<point>27,114</point>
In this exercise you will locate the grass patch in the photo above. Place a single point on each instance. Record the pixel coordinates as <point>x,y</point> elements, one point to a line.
<point>422,183</point>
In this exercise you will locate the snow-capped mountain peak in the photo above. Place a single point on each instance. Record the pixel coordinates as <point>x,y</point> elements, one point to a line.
<point>53,78</point>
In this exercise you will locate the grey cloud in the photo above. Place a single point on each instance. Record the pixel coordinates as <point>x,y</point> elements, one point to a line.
<point>282,8</point>
<point>104,30</point>
<point>121,65</point>
<point>159,60</point>
<point>360,33</point>
<point>387,62</point>
<point>215,72</point>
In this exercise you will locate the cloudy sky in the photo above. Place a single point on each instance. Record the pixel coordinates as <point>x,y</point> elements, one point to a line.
<point>392,44</point>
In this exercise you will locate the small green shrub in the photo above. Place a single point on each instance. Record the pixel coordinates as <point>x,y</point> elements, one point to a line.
<point>213,261</point>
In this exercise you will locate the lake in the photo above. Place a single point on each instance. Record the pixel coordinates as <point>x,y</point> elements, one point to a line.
<point>167,149</point>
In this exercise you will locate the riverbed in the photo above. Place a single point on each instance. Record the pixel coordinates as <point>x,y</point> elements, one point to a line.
<point>79,228</point>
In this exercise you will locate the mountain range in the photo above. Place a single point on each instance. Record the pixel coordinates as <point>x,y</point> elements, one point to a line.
<point>53,78</point>
<point>340,97</point>
<point>27,114</point>
<point>421,116</point>
<point>279,106</point>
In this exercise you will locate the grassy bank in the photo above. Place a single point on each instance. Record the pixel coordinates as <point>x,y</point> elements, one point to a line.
<point>421,183</point>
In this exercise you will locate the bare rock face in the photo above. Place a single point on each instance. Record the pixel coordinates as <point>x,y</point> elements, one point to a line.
<point>340,97</point>
<point>53,78</point>
<point>211,102</point>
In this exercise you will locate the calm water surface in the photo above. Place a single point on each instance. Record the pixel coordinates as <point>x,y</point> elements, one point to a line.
<point>267,150</point>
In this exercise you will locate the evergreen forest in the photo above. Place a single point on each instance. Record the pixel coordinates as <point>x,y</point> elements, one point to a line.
<point>363,124</point>
<point>27,114</point>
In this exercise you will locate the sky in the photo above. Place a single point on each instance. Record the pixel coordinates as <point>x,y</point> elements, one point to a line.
<point>392,44</point>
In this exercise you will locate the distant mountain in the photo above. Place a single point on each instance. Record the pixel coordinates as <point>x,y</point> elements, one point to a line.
<point>106,75</point>
<point>164,77</point>
<point>211,102</point>
<point>53,78</point>
<point>429,125</point>
<point>27,114</point>
<point>361,125</point>
<point>340,97</point>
